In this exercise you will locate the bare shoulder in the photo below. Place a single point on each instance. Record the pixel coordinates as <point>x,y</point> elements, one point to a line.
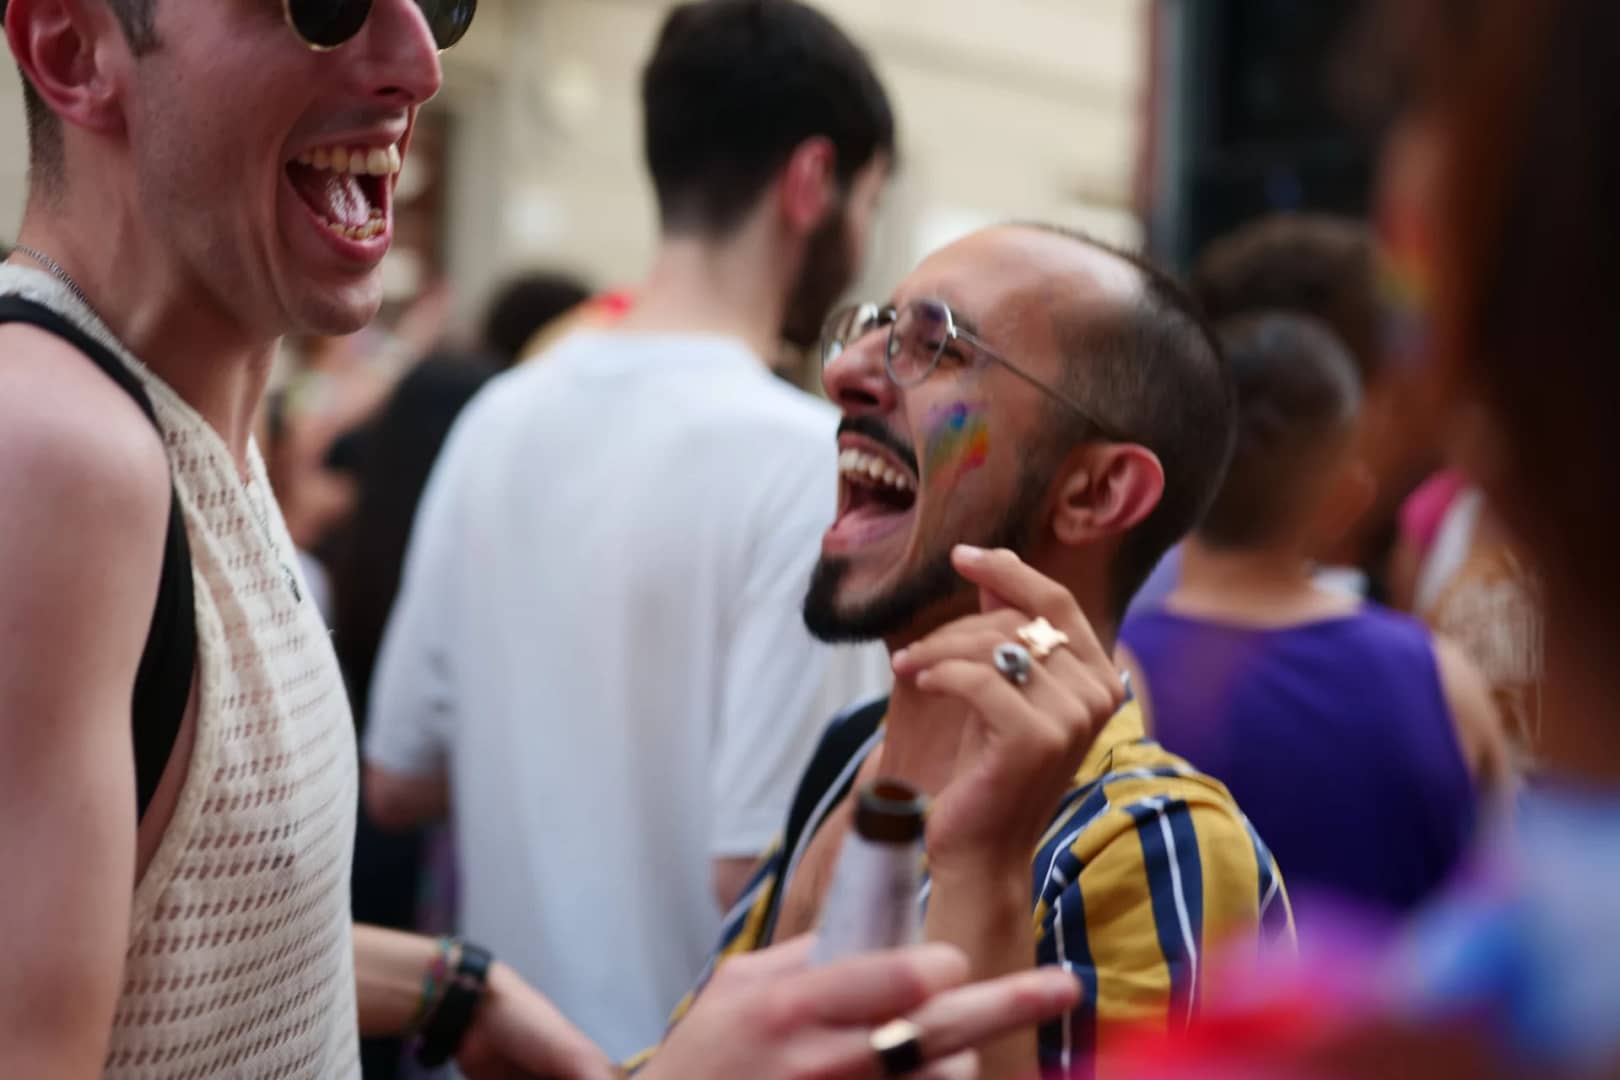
<point>84,494</point>
<point>66,429</point>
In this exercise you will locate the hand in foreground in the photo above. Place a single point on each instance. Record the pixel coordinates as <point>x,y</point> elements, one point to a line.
<point>517,1033</point>
<point>1023,744</point>
<point>766,1016</point>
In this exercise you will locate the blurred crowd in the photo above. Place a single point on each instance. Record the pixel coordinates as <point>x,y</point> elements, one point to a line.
<point>1260,613</point>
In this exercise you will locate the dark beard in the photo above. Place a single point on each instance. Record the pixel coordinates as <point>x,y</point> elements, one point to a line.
<point>828,270</point>
<point>935,582</point>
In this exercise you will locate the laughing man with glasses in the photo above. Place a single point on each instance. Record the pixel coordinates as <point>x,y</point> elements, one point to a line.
<point>1026,427</point>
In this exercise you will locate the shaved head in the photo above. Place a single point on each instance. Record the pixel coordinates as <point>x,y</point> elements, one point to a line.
<point>1138,353</point>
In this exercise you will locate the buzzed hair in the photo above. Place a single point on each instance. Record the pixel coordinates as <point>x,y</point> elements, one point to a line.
<point>1152,371</point>
<point>1315,264</point>
<point>136,18</point>
<point>1298,395</point>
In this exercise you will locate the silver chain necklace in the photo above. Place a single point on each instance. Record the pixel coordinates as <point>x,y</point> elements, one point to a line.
<point>259,515</point>
<point>59,274</point>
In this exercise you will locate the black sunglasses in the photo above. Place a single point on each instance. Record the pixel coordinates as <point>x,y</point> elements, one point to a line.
<point>326,24</point>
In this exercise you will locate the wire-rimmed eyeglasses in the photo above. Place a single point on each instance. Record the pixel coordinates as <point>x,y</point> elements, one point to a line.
<point>920,333</point>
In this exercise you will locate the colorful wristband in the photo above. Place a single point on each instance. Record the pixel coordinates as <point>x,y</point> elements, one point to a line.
<point>445,1029</point>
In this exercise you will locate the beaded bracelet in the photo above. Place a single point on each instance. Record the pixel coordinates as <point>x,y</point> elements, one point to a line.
<point>444,1031</point>
<point>436,982</point>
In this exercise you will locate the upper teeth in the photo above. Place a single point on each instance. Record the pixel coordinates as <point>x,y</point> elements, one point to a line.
<point>868,468</point>
<point>360,161</point>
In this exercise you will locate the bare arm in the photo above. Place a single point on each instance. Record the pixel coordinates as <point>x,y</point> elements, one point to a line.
<point>84,501</point>
<point>514,1031</point>
<point>985,913</point>
<point>398,801</point>
<point>1480,732</point>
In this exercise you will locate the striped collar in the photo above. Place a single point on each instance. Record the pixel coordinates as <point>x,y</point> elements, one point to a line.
<point>1123,728</point>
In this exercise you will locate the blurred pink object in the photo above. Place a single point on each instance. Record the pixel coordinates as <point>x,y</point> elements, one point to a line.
<point>1425,509</point>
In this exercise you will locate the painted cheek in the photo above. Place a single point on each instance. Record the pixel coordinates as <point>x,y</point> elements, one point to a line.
<point>958,442</point>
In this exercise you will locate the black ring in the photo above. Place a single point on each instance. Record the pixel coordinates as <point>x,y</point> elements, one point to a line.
<point>898,1046</point>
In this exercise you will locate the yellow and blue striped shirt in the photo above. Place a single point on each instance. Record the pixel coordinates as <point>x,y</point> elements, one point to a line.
<point>1146,865</point>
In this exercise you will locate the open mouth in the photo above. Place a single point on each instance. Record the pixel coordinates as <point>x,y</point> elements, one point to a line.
<point>347,188</point>
<point>876,497</point>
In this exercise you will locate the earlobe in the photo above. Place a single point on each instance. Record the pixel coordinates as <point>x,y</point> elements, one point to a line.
<point>1108,493</point>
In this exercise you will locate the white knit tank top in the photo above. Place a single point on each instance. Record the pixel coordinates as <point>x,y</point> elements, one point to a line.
<point>240,960</point>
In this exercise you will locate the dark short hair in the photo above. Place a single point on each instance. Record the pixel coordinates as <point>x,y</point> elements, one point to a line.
<point>1320,265</point>
<point>734,86</point>
<point>1297,392</point>
<point>136,19</point>
<point>1152,371</point>
<point>523,307</point>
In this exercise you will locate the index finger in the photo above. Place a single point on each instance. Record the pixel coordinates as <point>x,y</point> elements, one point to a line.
<point>973,1015</point>
<point>877,987</point>
<point>1021,586</point>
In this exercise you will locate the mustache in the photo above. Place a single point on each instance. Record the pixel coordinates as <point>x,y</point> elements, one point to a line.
<point>869,427</point>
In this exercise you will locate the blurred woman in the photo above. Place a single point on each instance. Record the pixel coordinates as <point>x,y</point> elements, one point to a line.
<point>1500,215</point>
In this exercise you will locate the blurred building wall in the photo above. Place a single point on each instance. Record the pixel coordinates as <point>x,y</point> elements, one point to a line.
<point>1011,109</point>
<point>13,150</point>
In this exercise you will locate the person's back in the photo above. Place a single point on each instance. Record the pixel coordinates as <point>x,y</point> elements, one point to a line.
<point>1334,736</point>
<point>1349,735</point>
<point>612,627</point>
<point>609,564</point>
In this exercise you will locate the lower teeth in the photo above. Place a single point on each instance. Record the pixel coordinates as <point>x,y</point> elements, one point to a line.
<point>370,229</point>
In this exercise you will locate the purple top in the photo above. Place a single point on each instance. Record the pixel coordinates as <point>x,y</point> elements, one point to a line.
<point>1334,737</point>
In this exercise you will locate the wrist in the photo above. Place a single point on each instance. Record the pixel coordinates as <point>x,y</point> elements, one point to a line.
<point>444,1028</point>
<point>988,883</point>
<point>978,865</point>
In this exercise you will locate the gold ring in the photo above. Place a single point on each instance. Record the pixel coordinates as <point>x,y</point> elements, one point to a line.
<point>1041,637</point>
<point>898,1046</point>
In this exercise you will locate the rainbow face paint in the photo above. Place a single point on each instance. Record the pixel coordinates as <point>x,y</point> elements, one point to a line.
<point>958,441</point>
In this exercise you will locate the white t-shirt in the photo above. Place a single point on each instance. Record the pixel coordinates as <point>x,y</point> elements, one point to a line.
<point>599,633</point>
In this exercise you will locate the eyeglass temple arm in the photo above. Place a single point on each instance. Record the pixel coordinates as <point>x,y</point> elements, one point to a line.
<point>1052,392</point>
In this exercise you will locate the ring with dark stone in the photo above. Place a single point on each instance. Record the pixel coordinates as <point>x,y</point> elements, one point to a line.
<point>1014,662</point>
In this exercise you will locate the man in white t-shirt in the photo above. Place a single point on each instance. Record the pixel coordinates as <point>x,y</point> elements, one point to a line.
<point>597,661</point>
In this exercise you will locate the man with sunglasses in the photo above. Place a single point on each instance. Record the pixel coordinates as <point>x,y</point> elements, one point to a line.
<point>177,766</point>
<point>1027,426</point>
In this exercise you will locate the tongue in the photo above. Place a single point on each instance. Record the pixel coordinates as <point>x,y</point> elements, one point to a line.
<point>338,197</point>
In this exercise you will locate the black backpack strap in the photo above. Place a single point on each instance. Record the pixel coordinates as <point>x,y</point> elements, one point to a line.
<point>828,771</point>
<point>163,680</point>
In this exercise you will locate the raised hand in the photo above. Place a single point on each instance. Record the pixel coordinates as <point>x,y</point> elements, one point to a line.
<point>1023,743</point>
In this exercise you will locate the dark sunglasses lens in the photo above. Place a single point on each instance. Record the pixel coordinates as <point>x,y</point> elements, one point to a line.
<point>448,19</point>
<point>327,24</point>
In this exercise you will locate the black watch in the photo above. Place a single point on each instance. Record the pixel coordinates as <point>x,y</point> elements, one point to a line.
<point>444,1031</point>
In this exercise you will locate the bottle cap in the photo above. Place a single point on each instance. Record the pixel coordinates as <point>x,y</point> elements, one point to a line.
<point>890,812</point>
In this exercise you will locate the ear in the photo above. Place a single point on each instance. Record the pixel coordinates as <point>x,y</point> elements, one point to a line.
<point>808,187</point>
<point>1109,489</point>
<point>62,47</point>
